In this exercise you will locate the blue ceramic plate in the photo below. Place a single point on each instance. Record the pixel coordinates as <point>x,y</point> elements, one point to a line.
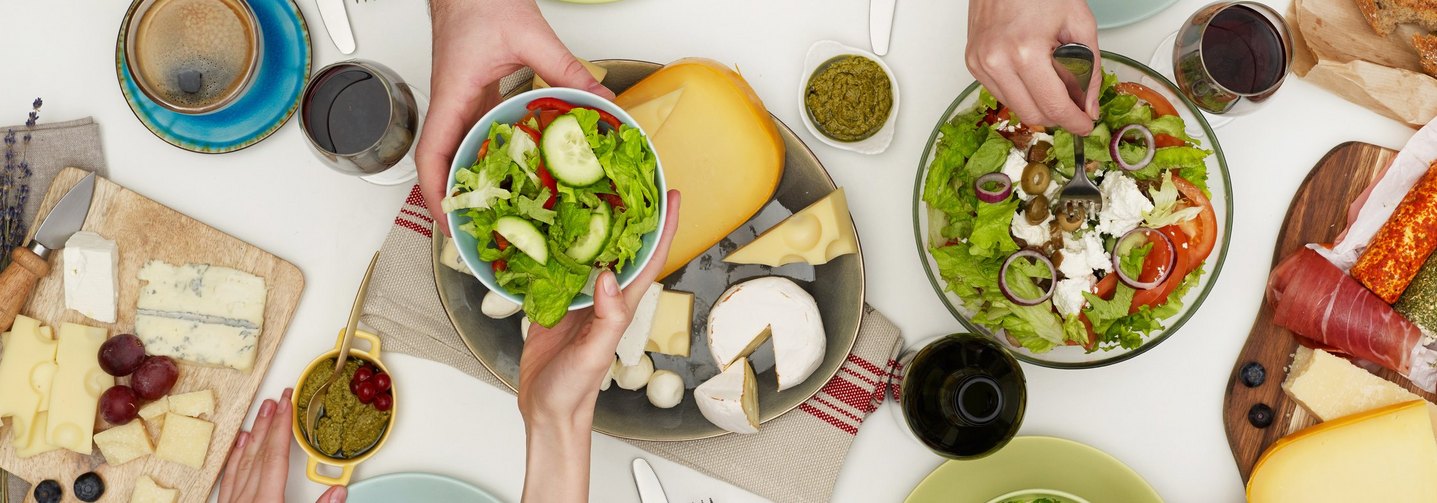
<point>416,488</point>
<point>1115,13</point>
<point>270,100</point>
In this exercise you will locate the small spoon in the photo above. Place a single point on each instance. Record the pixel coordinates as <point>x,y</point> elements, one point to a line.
<point>315,409</point>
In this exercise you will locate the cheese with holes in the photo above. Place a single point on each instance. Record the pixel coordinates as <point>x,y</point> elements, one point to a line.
<point>202,314</point>
<point>673,323</point>
<point>770,307</point>
<point>43,377</point>
<point>185,440</point>
<point>123,443</point>
<point>1388,454</point>
<point>193,404</point>
<point>718,146</point>
<point>147,491</point>
<point>730,400</point>
<point>815,235</point>
<point>1331,387</point>
<point>29,357</point>
<point>636,336</point>
<point>90,263</point>
<point>36,444</point>
<point>79,382</point>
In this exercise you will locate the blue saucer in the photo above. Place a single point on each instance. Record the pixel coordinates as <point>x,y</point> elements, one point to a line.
<point>268,103</point>
<point>416,488</point>
<point>1115,13</point>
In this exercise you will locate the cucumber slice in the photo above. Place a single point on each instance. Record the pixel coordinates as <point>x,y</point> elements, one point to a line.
<point>588,247</point>
<point>567,153</point>
<point>524,235</point>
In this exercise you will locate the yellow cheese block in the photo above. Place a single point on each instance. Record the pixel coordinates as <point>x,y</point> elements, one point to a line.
<point>1388,454</point>
<point>28,357</point>
<point>597,71</point>
<point>816,235</point>
<point>44,375</point>
<point>1331,387</point>
<point>193,404</point>
<point>75,394</point>
<point>120,444</point>
<point>153,410</point>
<point>671,332</point>
<point>185,440</point>
<point>36,444</point>
<point>717,144</point>
<point>147,491</point>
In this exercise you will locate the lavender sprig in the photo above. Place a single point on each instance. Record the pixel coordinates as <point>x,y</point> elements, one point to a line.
<point>15,185</point>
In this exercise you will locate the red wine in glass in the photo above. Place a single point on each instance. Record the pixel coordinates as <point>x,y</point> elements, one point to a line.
<point>1230,57</point>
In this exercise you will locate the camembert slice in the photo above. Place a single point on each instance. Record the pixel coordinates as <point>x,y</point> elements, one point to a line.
<point>75,394</point>
<point>202,314</point>
<point>730,400</point>
<point>769,307</point>
<point>1330,387</point>
<point>673,324</point>
<point>816,235</point>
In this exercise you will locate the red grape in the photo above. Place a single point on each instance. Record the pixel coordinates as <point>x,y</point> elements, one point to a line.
<point>381,382</point>
<point>366,392</point>
<point>363,374</point>
<point>155,377</point>
<point>118,405</point>
<point>121,355</point>
<point>383,401</point>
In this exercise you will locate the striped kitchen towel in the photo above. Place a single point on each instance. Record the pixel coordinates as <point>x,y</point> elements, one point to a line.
<point>795,457</point>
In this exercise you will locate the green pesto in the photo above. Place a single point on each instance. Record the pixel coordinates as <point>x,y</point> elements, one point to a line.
<point>1419,301</point>
<point>849,98</point>
<point>348,428</point>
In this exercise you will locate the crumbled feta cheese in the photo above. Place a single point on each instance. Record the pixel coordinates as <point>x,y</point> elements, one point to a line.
<point>1005,126</point>
<point>1033,235</point>
<point>1013,167</point>
<point>1082,256</point>
<point>1123,205</point>
<point>1052,191</point>
<point>1037,137</point>
<point>1068,294</point>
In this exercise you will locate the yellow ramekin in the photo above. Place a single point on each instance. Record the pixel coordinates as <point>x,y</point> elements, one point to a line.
<point>346,466</point>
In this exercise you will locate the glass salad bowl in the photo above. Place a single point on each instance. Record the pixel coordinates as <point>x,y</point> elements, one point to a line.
<point>927,222</point>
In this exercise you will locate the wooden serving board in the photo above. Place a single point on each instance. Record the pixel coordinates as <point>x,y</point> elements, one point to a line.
<point>146,230</point>
<point>1317,215</point>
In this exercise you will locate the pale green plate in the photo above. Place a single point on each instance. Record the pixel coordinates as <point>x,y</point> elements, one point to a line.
<point>1032,463</point>
<point>416,488</point>
<point>1115,13</point>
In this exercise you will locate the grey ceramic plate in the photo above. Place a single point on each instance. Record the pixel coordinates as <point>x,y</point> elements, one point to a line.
<point>837,286</point>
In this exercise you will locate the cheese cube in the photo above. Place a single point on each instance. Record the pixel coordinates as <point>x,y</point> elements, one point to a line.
<point>27,354</point>
<point>631,344</point>
<point>1388,454</point>
<point>155,409</point>
<point>193,404</point>
<point>75,394</point>
<point>123,443</point>
<point>817,234</point>
<point>185,440</point>
<point>1330,387</point>
<point>202,314</point>
<point>147,491</point>
<point>36,442</point>
<point>90,265</point>
<point>671,331</point>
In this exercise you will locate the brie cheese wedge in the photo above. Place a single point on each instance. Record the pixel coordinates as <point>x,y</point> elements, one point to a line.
<point>90,265</point>
<point>770,307</point>
<point>631,345</point>
<point>730,400</point>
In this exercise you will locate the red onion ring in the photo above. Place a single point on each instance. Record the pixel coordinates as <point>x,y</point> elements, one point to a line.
<point>1005,187</point>
<point>1040,258</point>
<point>1165,272</point>
<point>1148,142</point>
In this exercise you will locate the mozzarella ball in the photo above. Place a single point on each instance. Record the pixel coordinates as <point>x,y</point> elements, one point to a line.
<point>496,306</point>
<point>635,376</point>
<point>666,389</point>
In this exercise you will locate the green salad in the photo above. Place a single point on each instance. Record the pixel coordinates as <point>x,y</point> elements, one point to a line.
<point>1045,277</point>
<point>565,190</point>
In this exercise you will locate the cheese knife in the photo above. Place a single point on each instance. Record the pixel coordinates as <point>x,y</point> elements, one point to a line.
<point>880,24</point>
<point>650,490</point>
<point>30,264</point>
<point>336,21</point>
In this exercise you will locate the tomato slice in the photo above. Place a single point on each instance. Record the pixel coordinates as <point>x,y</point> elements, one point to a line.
<point>547,179</point>
<point>1183,244</point>
<point>1159,260</point>
<point>499,265</point>
<point>997,115</point>
<point>483,150</point>
<point>1161,140</point>
<point>499,240</point>
<point>547,116</point>
<point>615,202</point>
<point>1201,231</point>
<point>1161,106</point>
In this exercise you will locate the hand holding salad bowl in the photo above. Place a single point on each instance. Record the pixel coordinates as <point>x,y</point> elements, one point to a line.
<point>547,189</point>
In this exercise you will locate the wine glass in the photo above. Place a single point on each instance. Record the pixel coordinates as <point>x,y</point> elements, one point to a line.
<point>961,395</point>
<point>1229,58</point>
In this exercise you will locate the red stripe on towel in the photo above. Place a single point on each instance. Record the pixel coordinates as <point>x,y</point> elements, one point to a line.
<point>828,418</point>
<point>419,229</point>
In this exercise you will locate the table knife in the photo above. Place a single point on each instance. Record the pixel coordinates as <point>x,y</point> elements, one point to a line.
<point>880,24</point>
<point>650,490</point>
<point>29,264</point>
<point>336,21</point>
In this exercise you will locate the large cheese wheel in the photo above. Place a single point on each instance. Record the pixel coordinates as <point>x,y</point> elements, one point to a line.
<point>717,143</point>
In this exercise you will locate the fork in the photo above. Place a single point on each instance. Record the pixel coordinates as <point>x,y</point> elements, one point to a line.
<point>1075,63</point>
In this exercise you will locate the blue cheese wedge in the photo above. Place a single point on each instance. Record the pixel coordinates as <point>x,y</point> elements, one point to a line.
<point>90,265</point>
<point>201,314</point>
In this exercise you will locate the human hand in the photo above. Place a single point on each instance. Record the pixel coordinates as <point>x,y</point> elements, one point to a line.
<point>476,43</point>
<point>1010,46</point>
<point>258,465</point>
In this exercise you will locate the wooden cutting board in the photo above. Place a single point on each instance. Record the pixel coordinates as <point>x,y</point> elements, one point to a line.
<point>1317,215</point>
<point>146,230</point>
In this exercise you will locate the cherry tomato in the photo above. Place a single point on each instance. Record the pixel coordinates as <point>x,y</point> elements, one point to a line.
<point>500,265</point>
<point>363,374</point>
<point>381,382</point>
<point>365,392</point>
<point>500,241</point>
<point>384,401</point>
<point>354,387</point>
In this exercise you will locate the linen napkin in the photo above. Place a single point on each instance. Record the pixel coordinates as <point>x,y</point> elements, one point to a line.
<point>795,457</point>
<point>52,147</point>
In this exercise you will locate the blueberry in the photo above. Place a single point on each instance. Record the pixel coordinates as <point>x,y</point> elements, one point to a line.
<point>89,487</point>
<point>1253,375</point>
<point>48,492</point>
<point>1260,415</point>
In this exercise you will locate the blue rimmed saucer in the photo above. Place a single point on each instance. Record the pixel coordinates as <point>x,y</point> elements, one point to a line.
<point>269,102</point>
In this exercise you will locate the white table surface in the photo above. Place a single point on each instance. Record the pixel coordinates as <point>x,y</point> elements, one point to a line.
<point>1161,413</point>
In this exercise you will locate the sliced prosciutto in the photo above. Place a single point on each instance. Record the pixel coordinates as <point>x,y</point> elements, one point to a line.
<point>1316,300</point>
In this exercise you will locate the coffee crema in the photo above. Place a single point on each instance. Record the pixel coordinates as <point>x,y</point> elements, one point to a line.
<point>195,54</point>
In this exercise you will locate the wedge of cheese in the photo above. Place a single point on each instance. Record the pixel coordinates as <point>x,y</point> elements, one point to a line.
<point>193,404</point>
<point>815,235</point>
<point>202,314</point>
<point>1388,454</point>
<point>687,108</point>
<point>37,444</point>
<point>595,70</point>
<point>730,400</point>
<point>79,382</point>
<point>43,377</point>
<point>147,491</point>
<point>1330,387</point>
<point>672,328</point>
<point>185,440</point>
<point>770,307</point>
<point>122,444</point>
<point>155,409</point>
<point>28,358</point>
<point>631,344</point>
<point>90,265</point>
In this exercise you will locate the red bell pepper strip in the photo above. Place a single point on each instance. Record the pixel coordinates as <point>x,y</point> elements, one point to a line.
<point>564,107</point>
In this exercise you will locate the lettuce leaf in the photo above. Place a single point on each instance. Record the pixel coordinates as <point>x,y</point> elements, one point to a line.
<point>631,164</point>
<point>548,288</point>
<point>991,237</point>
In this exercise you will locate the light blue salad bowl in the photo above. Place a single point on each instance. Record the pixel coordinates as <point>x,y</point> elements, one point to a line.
<point>509,112</point>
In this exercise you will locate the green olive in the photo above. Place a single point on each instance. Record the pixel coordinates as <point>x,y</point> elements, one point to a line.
<point>1071,218</point>
<point>1039,151</point>
<point>1035,178</point>
<point>1037,209</point>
